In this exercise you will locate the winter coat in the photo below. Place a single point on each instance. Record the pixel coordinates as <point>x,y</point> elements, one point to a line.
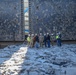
<point>41,38</point>
<point>57,37</point>
<point>45,38</point>
<point>28,39</point>
<point>37,39</point>
<point>48,37</point>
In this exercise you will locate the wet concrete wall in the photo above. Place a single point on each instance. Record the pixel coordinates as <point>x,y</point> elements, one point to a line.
<point>11,20</point>
<point>54,16</point>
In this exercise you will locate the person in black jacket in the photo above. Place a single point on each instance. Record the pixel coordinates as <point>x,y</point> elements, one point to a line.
<point>45,40</point>
<point>48,40</point>
<point>37,38</point>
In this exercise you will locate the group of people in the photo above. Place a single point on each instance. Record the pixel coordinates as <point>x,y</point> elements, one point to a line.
<point>45,40</point>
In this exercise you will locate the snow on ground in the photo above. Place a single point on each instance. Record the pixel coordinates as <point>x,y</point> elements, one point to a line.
<point>21,60</point>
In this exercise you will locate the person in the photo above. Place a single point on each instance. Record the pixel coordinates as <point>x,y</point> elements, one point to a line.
<point>59,35</point>
<point>37,41</point>
<point>41,40</point>
<point>45,40</point>
<point>52,39</point>
<point>58,39</point>
<point>48,40</point>
<point>28,40</point>
<point>32,40</point>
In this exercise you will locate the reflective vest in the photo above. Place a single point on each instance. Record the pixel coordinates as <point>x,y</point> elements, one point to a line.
<point>28,39</point>
<point>57,37</point>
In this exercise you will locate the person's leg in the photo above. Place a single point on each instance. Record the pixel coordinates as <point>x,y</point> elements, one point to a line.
<point>52,43</point>
<point>57,42</point>
<point>34,42</point>
<point>28,44</point>
<point>31,44</point>
<point>45,43</point>
<point>41,44</point>
<point>60,42</point>
<point>37,45</point>
<point>48,43</point>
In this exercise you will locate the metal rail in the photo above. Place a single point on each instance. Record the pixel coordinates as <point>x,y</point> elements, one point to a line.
<point>6,43</point>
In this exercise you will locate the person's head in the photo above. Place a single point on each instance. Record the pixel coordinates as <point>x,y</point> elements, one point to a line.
<point>44,34</point>
<point>57,33</point>
<point>32,34</point>
<point>28,34</point>
<point>47,33</point>
<point>40,33</point>
<point>52,34</point>
<point>36,34</point>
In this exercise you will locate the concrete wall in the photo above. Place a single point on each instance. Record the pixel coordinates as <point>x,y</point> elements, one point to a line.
<point>11,20</point>
<point>54,16</point>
